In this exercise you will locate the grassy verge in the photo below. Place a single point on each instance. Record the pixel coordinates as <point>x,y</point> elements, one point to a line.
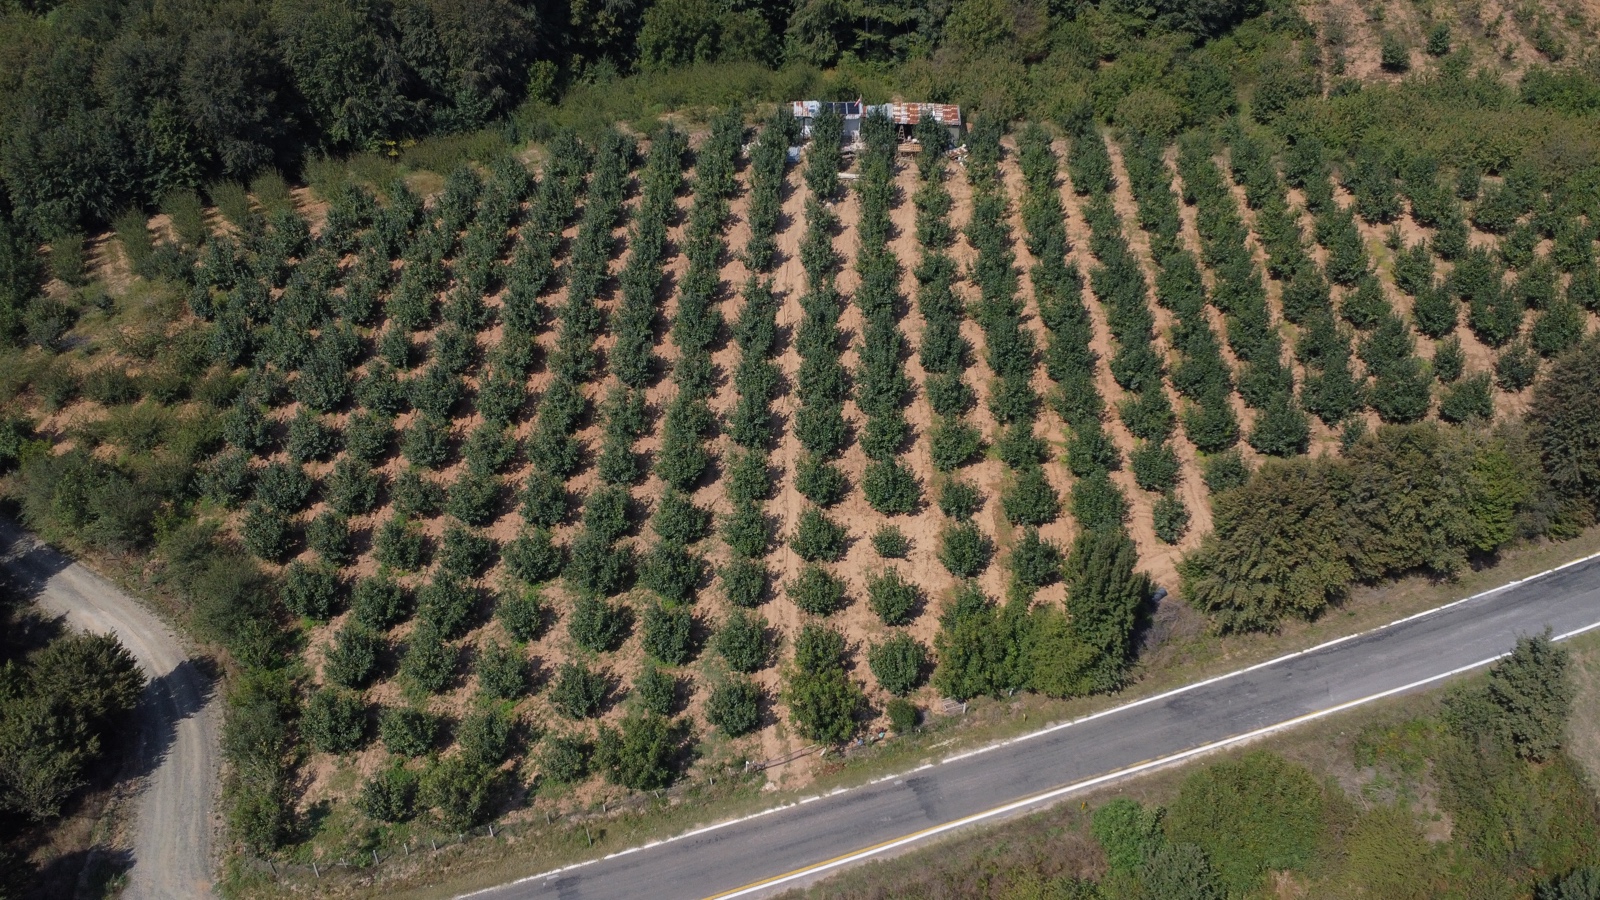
<point>528,848</point>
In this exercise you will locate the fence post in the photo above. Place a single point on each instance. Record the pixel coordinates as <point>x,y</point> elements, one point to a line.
<point>374,858</point>
<point>491,829</point>
<point>315,871</point>
<point>434,844</point>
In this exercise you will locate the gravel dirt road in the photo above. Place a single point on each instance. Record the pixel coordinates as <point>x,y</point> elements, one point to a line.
<point>179,718</point>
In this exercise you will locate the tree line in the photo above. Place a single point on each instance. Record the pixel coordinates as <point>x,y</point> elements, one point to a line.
<point>1426,497</point>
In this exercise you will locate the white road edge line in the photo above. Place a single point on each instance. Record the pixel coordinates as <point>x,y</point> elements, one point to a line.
<point>1050,729</point>
<point>1057,793</point>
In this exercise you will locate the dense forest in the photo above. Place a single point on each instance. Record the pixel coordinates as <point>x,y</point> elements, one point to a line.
<point>109,104</point>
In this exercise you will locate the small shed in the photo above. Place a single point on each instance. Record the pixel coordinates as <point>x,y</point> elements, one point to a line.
<point>905,116</point>
<point>849,110</point>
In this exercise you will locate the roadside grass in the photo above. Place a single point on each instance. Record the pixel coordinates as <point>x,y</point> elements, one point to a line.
<point>532,847</point>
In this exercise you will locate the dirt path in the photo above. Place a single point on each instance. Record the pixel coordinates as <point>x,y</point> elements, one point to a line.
<point>179,719</point>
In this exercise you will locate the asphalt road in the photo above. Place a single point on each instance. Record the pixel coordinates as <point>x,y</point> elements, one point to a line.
<point>175,756</point>
<point>786,845</point>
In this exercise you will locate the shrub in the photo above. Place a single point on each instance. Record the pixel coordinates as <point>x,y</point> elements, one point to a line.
<point>1251,816</point>
<point>226,477</point>
<point>1171,519</point>
<point>1449,360</point>
<point>1155,467</point>
<point>565,758</point>
<point>447,602</point>
<point>817,537</point>
<point>379,602</point>
<point>1439,40</point>
<point>899,663</point>
<point>1035,562</point>
<point>747,479</point>
<point>1470,398</point>
<point>329,535</point>
<point>891,488</point>
<point>1098,503</point>
<point>1091,449</point>
<point>417,495</point>
<point>311,591</point>
<point>389,795</point>
<point>964,550</point>
<point>1283,429</point>
<point>1224,471</point>
<point>523,612</point>
<point>742,642</point>
<point>1127,832</point>
<point>598,566</point>
<point>426,442</point>
<point>678,521</point>
<point>821,697</point>
<point>474,498</point>
<point>408,732</point>
<point>952,443</point>
<point>639,755</point>
<point>459,789</point>
<point>1019,448</point>
<point>429,663</point>
<point>744,582</point>
<point>334,721</point>
<point>668,633</point>
<point>309,438</point>
<point>1393,53</point>
<point>672,572</point>
<point>367,437</point>
<point>902,715</point>
<point>891,543</point>
<point>735,706</point>
<point>1031,500</point>
<point>747,530</point>
<point>578,692</point>
<point>534,556</point>
<point>597,625</point>
<point>543,499</point>
<point>1516,367</point>
<point>502,671</point>
<point>1559,328</point>
<point>892,597</point>
<point>400,545</point>
<point>283,487</point>
<point>485,736</point>
<point>820,481</point>
<point>657,691</point>
<point>353,659</point>
<point>817,591</point>
<point>465,553</point>
<point>960,500</point>
<point>352,488</point>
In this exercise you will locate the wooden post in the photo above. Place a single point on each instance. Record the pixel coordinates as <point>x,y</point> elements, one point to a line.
<point>315,871</point>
